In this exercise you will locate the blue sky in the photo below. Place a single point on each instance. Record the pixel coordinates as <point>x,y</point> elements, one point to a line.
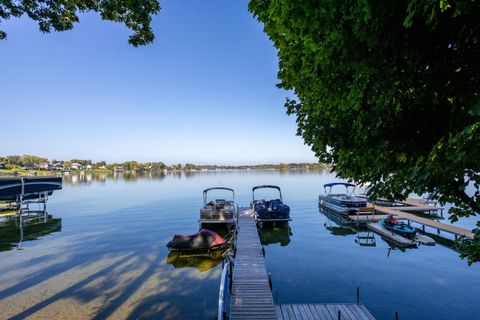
<point>203,92</point>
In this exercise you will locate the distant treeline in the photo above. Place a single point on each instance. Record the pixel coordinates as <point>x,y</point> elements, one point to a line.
<point>30,162</point>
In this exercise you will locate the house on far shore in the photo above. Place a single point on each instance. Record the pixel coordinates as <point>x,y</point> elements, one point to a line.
<point>58,166</point>
<point>2,165</point>
<point>76,166</point>
<point>44,166</point>
<point>89,167</point>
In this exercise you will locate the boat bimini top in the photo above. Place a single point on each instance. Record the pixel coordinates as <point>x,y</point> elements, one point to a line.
<point>329,186</point>
<point>205,192</point>
<point>263,187</point>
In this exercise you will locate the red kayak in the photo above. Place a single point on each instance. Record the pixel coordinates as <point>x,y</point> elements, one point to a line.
<point>202,240</point>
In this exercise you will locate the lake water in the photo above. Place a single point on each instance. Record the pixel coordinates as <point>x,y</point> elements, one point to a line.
<point>101,253</point>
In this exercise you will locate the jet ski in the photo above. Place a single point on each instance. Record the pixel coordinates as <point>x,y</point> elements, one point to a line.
<point>398,227</point>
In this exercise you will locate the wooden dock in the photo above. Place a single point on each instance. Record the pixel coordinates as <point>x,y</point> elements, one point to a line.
<point>396,211</point>
<point>251,294</point>
<point>347,311</point>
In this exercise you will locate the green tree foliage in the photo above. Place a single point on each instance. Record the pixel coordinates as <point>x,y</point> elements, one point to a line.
<point>29,160</point>
<point>61,15</point>
<point>387,92</point>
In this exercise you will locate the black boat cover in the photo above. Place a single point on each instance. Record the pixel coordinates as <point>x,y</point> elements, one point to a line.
<point>202,240</point>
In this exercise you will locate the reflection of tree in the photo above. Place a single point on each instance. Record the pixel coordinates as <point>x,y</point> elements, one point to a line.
<point>28,228</point>
<point>89,177</point>
<point>276,234</point>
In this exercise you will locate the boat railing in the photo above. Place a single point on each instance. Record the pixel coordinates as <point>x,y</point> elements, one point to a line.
<point>226,273</point>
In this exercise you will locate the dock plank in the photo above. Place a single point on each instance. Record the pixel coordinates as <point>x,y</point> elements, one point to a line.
<point>323,312</point>
<point>251,294</point>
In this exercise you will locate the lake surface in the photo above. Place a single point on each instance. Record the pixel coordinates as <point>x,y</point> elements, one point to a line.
<point>101,253</point>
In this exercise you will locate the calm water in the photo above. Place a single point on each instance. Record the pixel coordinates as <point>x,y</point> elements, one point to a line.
<point>100,252</point>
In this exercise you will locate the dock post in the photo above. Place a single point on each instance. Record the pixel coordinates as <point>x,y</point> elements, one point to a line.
<point>339,315</point>
<point>396,315</point>
<point>270,281</point>
<point>358,295</point>
<point>423,228</point>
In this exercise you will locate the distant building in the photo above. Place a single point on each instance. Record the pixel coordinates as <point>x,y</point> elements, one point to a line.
<point>45,166</point>
<point>89,167</point>
<point>2,165</point>
<point>76,166</point>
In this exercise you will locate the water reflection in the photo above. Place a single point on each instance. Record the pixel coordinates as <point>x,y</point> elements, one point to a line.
<point>278,233</point>
<point>202,263</point>
<point>85,178</point>
<point>29,226</point>
<point>336,223</point>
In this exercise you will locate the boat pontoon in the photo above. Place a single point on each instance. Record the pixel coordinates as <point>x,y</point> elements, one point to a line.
<point>344,203</point>
<point>270,210</point>
<point>25,188</point>
<point>218,211</point>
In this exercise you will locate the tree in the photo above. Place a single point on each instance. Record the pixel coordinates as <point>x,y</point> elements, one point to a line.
<point>61,15</point>
<point>387,92</point>
<point>29,160</point>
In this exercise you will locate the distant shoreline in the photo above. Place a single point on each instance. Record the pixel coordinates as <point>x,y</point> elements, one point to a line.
<point>36,172</point>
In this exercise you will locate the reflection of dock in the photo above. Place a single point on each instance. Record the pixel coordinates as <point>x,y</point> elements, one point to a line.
<point>251,292</point>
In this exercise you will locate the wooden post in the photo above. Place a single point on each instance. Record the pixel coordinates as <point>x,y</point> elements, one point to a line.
<point>396,315</point>
<point>358,295</point>
<point>339,315</point>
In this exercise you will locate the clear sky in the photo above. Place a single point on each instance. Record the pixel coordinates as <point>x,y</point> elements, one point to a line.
<point>203,92</point>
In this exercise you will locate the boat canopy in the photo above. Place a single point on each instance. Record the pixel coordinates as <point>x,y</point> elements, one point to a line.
<point>217,188</point>
<point>329,185</point>
<point>266,186</point>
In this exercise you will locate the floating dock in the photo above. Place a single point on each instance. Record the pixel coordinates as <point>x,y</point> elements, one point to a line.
<point>251,293</point>
<point>410,204</point>
<point>398,239</point>
<point>396,212</point>
<point>323,312</point>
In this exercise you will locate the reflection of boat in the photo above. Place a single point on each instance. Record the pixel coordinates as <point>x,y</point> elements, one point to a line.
<point>276,234</point>
<point>340,226</point>
<point>344,203</point>
<point>178,260</point>
<point>28,187</point>
<point>203,242</point>
<point>270,210</point>
<point>35,225</point>
<point>398,227</point>
<point>218,211</point>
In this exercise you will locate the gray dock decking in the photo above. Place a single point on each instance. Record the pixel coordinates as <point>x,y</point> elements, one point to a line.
<point>348,311</point>
<point>251,294</point>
